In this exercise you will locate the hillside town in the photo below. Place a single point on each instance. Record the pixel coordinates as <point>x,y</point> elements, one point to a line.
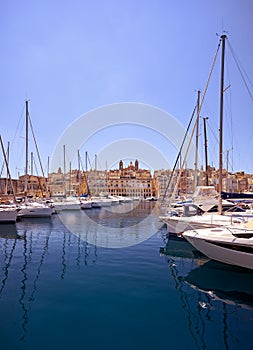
<point>127,180</point>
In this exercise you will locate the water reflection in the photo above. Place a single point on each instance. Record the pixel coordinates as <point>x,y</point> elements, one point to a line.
<point>8,231</point>
<point>228,284</point>
<point>210,292</point>
<point>103,228</point>
<point>24,249</point>
<point>46,271</point>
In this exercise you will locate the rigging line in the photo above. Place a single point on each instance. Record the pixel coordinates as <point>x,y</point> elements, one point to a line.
<point>179,154</point>
<point>89,161</point>
<point>12,140</point>
<point>229,105</point>
<point>241,70</point>
<point>84,173</point>
<point>38,177</point>
<point>2,169</point>
<point>36,145</point>
<point>19,122</point>
<point>195,124</point>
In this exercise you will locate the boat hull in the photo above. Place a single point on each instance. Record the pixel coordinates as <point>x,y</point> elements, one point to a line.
<point>8,216</point>
<point>180,224</point>
<point>86,205</point>
<point>67,206</point>
<point>35,212</point>
<point>220,245</point>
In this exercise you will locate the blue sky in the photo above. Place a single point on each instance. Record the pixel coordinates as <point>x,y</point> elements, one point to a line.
<point>70,57</point>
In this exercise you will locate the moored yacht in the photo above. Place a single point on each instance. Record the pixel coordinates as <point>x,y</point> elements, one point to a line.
<point>99,202</point>
<point>203,212</point>
<point>86,203</point>
<point>231,245</point>
<point>34,210</point>
<point>68,203</point>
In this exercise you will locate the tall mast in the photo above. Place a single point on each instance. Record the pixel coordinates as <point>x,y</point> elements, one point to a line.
<point>70,183</point>
<point>26,146</point>
<point>223,41</point>
<point>197,143</point>
<point>47,179</point>
<point>32,168</point>
<point>64,171</point>
<point>8,160</point>
<point>86,161</point>
<point>96,159</point>
<point>79,173</point>
<point>206,159</point>
<point>7,167</point>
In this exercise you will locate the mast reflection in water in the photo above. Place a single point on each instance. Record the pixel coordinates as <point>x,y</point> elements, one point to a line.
<point>57,291</point>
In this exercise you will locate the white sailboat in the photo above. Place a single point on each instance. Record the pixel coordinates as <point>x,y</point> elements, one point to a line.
<point>207,209</point>
<point>203,212</point>
<point>8,213</point>
<point>67,202</point>
<point>99,202</point>
<point>34,209</point>
<point>231,244</point>
<point>31,209</point>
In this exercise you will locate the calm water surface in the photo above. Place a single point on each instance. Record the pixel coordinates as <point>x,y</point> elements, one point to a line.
<point>60,290</point>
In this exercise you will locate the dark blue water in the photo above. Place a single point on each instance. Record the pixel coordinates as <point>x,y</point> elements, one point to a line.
<point>58,291</point>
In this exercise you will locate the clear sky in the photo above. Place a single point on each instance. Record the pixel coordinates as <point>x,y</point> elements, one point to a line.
<point>71,57</point>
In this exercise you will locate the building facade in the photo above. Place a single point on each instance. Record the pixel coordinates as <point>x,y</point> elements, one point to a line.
<point>130,181</point>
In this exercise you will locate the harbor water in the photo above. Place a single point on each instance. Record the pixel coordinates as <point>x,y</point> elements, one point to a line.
<point>101,279</point>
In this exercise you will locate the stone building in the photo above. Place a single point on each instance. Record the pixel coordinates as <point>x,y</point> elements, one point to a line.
<point>130,181</point>
<point>37,186</point>
<point>95,182</point>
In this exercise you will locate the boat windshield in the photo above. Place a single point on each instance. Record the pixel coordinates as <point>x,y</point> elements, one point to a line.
<point>192,210</point>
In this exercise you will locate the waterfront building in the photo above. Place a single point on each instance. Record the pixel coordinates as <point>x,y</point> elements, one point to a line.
<point>5,188</point>
<point>130,181</point>
<point>37,186</point>
<point>135,182</point>
<point>66,185</point>
<point>160,182</point>
<point>56,184</point>
<point>95,182</point>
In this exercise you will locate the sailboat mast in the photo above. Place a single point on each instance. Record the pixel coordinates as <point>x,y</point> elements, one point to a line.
<point>64,170</point>
<point>197,143</point>
<point>47,178</point>
<point>7,167</point>
<point>79,173</point>
<point>8,160</point>
<point>86,161</point>
<point>223,40</point>
<point>206,158</point>
<point>26,146</point>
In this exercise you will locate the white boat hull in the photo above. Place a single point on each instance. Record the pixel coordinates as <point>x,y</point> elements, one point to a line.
<point>66,206</point>
<point>86,205</point>
<point>8,215</point>
<point>221,245</point>
<point>180,224</point>
<point>34,212</point>
<point>101,202</point>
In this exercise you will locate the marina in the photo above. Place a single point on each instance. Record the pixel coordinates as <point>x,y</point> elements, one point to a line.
<point>59,291</point>
<point>126,183</point>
